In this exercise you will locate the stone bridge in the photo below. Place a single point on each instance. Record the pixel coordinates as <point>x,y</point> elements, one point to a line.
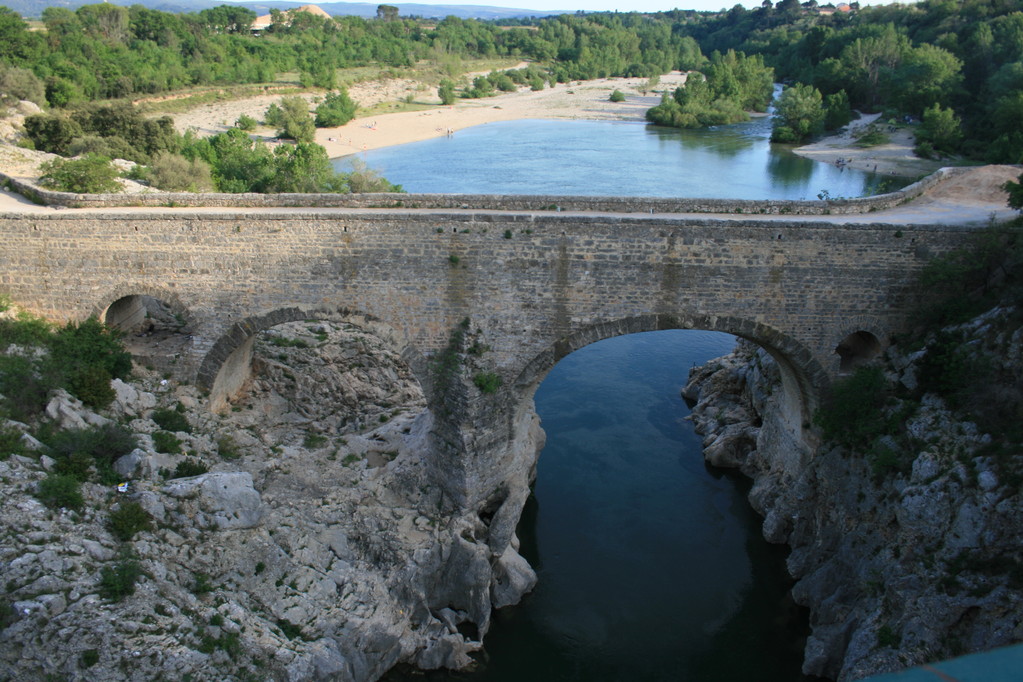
<point>522,288</point>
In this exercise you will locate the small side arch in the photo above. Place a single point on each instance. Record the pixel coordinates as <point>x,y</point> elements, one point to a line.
<point>228,365</point>
<point>125,307</point>
<point>803,379</point>
<point>859,342</point>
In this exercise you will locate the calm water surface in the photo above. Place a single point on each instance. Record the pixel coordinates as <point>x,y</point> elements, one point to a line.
<point>594,158</point>
<point>651,566</point>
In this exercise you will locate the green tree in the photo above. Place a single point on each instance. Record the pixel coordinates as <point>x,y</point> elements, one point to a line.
<point>387,12</point>
<point>303,167</point>
<point>336,109</point>
<point>52,134</point>
<point>939,131</point>
<point>1015,190</point>
<point>292,119</point>
<point>927,75</point>
<point>446,92</point>
<point>799,114</point>
<point>837,112</point>
<point>91,174</point>
<point>20,84</point>
<point>174,173</point>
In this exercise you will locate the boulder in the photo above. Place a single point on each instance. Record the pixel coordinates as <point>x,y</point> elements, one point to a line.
<point>227,500</point>
<point>130,401</point>
<point>513,578</point>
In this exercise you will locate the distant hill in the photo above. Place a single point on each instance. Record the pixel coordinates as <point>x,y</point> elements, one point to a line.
<point>34,8</point>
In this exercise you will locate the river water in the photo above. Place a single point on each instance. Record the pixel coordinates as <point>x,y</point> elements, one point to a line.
<point>594,158</point>
<point>651,566</point>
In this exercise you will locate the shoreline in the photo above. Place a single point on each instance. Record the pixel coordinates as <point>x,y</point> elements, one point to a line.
<point>580,100</point>
<point>587,100</point>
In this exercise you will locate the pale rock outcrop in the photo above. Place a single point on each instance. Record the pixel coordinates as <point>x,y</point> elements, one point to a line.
<point>226,500</point>
<point>900,567</point>
<point>316,547</point>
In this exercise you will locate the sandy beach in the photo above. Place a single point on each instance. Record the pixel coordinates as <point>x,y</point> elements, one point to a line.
<point>895,157</point>
<point>581,100</point>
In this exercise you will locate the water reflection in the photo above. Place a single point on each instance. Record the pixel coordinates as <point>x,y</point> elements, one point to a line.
<point>594,158</point>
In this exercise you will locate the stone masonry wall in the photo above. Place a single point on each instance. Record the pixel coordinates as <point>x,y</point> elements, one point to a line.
<point>524,281</point>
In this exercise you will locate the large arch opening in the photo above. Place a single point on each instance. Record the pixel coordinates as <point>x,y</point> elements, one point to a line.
<point>650,564</point>
<point>156,329</point>
<point>802,378</point>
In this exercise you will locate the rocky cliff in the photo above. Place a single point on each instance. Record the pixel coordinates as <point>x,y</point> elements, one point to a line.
<point>909,551</point>
<point>295,537</point>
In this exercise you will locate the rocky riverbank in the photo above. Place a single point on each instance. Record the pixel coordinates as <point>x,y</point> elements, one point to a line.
<point>905,555</point>
<point>312,546</point>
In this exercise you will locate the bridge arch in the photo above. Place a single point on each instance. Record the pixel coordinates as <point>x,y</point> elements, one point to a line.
<point>227,366</point>
<point>803,379</point>
<point>125,306</point>
<point>858,342</point>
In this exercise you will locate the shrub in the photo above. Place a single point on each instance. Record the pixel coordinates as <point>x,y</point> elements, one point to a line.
<point>174,173</point>
<point>167,442</point>
<point>17,84</point>
<point>313,441</point>
<point>110,147</point>
<point>91,385</point>
<point>854,413</point>
<point>10,442</point>
<point>118,581</point>
<point>887,637</point>
<point>59,490</point>
<point>291,117</point>
<point>25,389</point>
<point>129,518</point>
<point>51,134</point>
<point>90,657</point>
<point>446,92</point>
<point>25,330</point>
<point>201,584</point>
<point>336,109</point>
<point>363,179</point>
<point>171,420</point>
<point>90,343</point>
<point>77,449</point>
<point>108,441</point>
<point>487,382</point>
<point>246,123</point>
<point>189,467</point>
<point>91,174</point>
<point>78,465</point>
<point>227,448</point>
<point>617,96</point>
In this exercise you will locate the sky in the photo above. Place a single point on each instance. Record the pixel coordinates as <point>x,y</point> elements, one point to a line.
<point>634,5</point>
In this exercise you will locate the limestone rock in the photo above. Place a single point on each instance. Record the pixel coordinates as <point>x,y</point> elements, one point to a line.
<point>226,500</point>
<point>513,578</point>
<point>130,401</point>
<point>70,413</point>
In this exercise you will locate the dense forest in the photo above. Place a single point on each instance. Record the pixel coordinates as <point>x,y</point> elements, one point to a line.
<point>957,65</point>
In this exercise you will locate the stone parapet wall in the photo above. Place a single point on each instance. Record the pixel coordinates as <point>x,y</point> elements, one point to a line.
<point>482,201</point>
